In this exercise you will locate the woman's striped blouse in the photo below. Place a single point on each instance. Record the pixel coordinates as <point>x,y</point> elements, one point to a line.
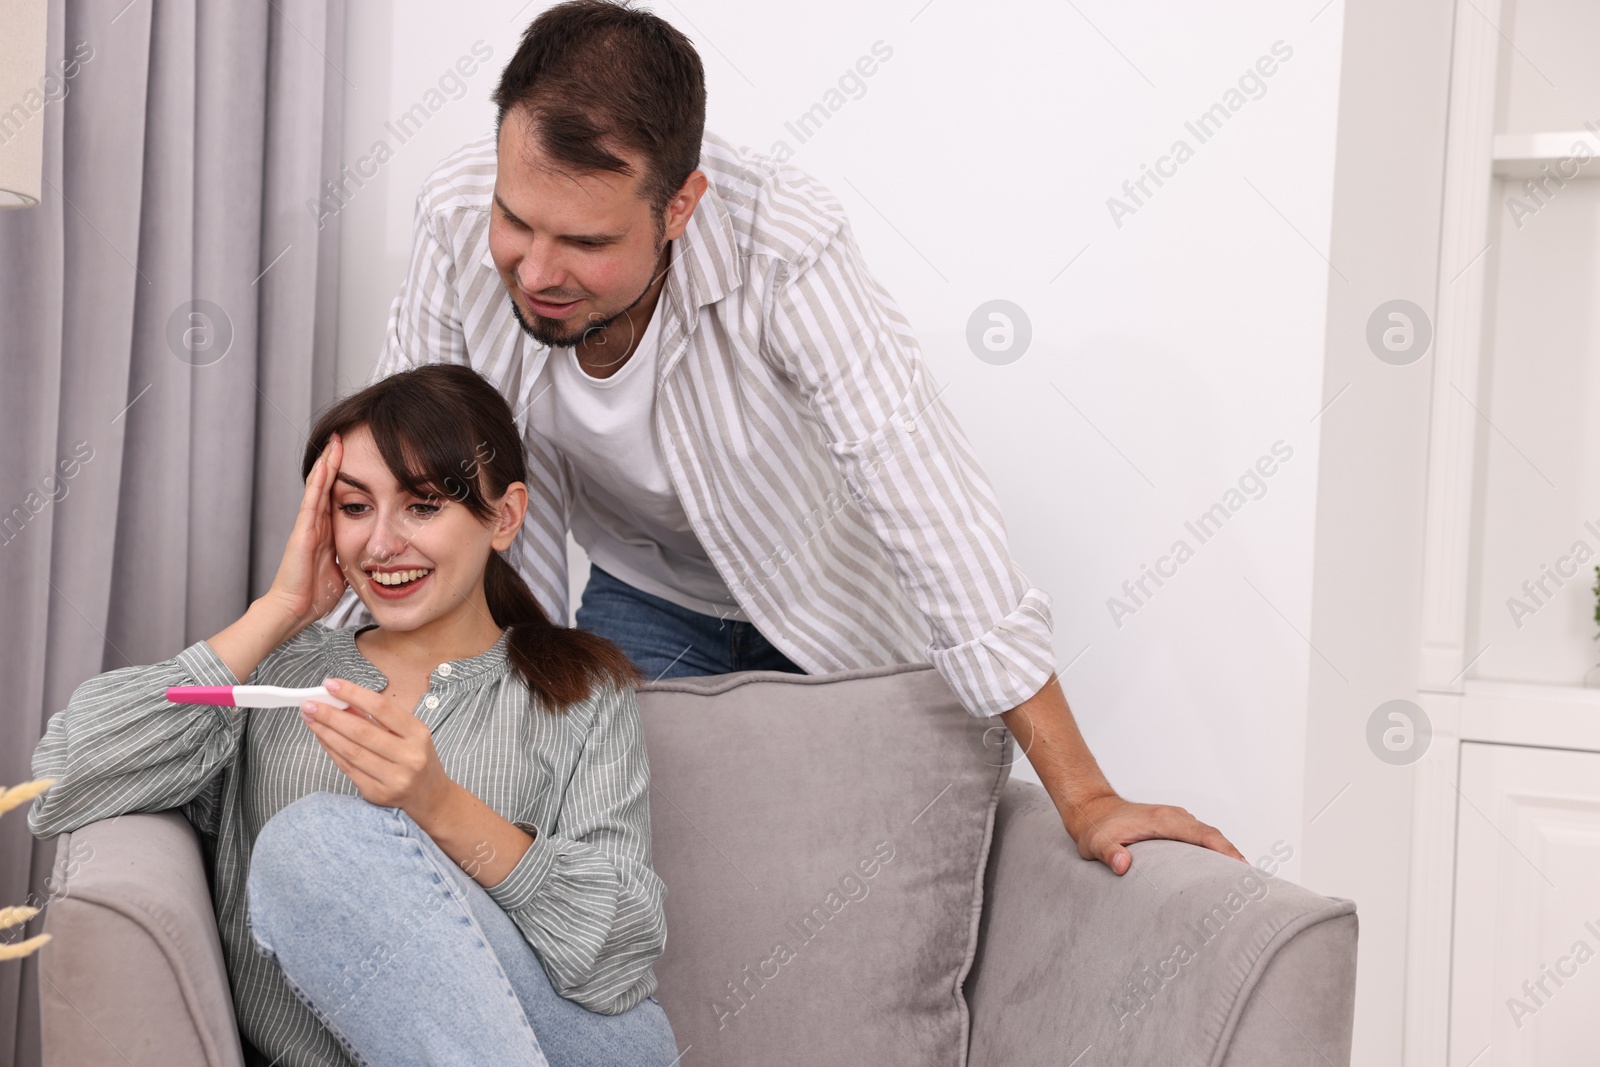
<point>584,895</point>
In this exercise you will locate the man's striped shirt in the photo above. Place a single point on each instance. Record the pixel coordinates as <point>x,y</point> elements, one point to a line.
<point>824,478</point>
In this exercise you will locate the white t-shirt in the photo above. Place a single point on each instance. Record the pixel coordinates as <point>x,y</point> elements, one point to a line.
<point>626,513</point>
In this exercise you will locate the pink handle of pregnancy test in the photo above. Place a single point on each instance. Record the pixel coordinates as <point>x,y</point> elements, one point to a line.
<point>221,695</point>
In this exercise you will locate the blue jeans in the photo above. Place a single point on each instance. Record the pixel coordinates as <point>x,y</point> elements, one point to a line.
<point>406,959</point>
<point>665,640</point>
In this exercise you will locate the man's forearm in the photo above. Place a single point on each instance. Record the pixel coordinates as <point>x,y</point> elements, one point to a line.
<point>1101,823</point>
<point>1046,731</point>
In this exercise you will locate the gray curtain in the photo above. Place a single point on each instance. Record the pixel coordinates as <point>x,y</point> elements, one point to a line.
<point>167,329</point>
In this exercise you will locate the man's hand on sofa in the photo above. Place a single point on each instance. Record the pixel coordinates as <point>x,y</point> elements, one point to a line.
<point>1099,821</point>
<point>1101,826</point>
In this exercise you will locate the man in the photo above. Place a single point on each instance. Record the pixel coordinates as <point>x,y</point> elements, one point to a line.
<point>726,410</point>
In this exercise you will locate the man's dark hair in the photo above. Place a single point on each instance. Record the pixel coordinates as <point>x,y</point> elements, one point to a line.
<point>597,75</point>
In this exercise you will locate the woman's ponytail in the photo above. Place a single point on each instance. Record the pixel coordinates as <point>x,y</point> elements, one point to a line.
<point>559,664</point>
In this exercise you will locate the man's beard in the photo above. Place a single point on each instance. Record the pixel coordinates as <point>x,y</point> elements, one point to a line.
<point>551,332</point>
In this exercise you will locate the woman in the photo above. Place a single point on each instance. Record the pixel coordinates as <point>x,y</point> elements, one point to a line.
<point>456,868</point>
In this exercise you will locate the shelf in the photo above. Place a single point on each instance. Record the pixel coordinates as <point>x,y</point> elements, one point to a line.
<point>1523,713</point>
<point>1520,155</point>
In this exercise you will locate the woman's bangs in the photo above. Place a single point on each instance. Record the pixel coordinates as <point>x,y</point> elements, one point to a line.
<point>429,463</point>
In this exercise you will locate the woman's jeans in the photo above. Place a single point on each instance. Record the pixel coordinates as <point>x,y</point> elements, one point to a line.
<point>406,959</point>
<point>665,640</point>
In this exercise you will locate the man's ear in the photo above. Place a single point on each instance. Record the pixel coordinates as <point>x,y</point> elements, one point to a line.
<point>680,209</point>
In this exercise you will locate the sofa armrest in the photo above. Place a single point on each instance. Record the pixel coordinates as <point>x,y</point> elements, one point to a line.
<point>134,973</point>
<point>1191,958</point>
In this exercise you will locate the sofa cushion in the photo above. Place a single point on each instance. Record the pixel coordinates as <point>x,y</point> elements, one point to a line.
<point>823,840</point>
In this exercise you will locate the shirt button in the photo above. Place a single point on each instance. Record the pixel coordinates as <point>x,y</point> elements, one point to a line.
<point>445,670</point>
<point>911,425</point>
<point>431,703</point>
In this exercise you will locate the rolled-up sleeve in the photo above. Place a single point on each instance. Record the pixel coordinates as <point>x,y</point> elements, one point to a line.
<point>584,894</point>
<point>910,470</point>
<point>119,746</point>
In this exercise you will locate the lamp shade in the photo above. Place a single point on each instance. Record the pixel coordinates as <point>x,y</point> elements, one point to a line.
<point>23,95</point>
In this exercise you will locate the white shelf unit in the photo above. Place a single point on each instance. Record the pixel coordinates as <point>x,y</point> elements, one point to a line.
<point>1538,716</point>
<point>1523,155</point>
<point>1513,771</point>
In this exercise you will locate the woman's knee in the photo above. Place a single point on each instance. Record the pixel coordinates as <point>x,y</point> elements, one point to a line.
<point>309,824</point>
<point>294,851</point>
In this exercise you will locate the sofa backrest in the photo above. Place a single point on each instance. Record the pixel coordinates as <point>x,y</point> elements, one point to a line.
<point>823,840</point>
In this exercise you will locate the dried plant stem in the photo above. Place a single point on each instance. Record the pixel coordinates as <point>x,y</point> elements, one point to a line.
<point>15,797</point>
<point>19,795</point>
<point>22,948</point>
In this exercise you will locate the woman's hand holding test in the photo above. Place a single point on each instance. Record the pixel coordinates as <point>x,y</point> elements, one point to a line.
<point>388,753</point>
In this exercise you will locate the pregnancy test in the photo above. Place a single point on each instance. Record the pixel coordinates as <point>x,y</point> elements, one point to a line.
<point>250,696</point>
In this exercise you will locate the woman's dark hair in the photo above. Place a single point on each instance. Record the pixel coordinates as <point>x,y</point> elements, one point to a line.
<point>593,75</point>
<point>444,431</point>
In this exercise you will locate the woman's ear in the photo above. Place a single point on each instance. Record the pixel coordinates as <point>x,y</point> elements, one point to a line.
<point>511,508</point>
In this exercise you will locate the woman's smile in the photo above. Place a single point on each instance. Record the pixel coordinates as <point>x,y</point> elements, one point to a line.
<point>397,585</point>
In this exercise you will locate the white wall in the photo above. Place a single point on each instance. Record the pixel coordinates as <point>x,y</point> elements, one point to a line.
<point>976,165</point>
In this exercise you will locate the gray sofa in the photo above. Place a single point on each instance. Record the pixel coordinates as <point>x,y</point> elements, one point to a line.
<point>1067,965</point>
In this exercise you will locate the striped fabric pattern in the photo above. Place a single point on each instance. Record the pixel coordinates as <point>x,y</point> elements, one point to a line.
<point>817,465</point>
<point>584,895</point>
